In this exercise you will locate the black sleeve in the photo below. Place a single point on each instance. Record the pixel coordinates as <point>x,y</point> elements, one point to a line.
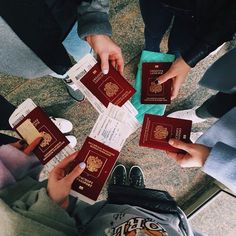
<point>221,29</point>
<point>5,139</point>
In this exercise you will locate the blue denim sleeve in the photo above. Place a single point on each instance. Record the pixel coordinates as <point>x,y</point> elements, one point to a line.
<point>221,165</point>
<point>93,18</point>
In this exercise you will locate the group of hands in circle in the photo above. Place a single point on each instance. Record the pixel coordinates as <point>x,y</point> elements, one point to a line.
<point>59,182</point>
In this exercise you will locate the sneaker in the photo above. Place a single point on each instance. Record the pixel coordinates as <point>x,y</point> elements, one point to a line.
<point>73,91</point>
<point>72,139</point>
<point>195,135</point>
<point>119,175</point>
<point>55,75</point>
<point>136,177</point>
<point>65,126</point>
<point>189,114</point>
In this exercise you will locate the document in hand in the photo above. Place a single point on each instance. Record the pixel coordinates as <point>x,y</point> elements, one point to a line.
<point>101,150</point>
<point>152,92</point>
<point>98,88</point>
<point>30,122</point>
<point>158,130</point>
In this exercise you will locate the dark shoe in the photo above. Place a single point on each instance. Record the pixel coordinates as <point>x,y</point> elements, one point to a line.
<point>136,177</point>
<point>119,175</point>
<point>73,91</point>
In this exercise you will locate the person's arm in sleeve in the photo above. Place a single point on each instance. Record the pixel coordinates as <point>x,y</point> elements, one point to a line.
<point>218,161</point>
<point>93,18</point>
<point>95,28</point>
<point>221,165</point>
<point>43,209</point>
<point>221,30</point>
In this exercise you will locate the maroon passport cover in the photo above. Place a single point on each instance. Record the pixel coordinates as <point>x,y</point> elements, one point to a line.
<point>112,87</point>
<point>99,160</point>
<point>152,92</point>
<point>157,130</point>
<point>53,140</point>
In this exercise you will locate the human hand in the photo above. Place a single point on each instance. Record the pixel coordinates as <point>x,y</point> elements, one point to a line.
<point>178,73</point>
<point>196,153</point>
<point>23,146</point>
<point>107,51</point>
<point>59,184</point>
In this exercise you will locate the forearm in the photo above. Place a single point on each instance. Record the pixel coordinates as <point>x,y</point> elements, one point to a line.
<point>37,206</point>
<point>219,30</point>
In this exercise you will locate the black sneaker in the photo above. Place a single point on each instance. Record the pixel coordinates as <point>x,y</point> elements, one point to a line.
<point>119,175</point>
<point>136,177</point>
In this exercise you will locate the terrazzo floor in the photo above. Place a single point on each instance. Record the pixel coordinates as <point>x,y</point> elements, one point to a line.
<point>160,171</point>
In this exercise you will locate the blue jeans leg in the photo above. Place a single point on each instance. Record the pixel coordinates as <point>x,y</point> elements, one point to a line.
<point>75,46</point>
<point>157,19</point>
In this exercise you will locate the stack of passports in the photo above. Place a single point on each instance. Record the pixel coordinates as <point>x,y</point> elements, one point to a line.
<point>158,130</point>
<point>153,92</point>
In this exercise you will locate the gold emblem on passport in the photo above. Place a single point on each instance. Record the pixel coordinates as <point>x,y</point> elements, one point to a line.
<point>47,138</point>
<point>160,132</point>
<point>155,87</point>
<point>111,89</point>
<point>93,163</point>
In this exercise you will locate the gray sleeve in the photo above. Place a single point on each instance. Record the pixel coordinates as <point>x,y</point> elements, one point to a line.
<point>221,165</point>
<point>93,18</point>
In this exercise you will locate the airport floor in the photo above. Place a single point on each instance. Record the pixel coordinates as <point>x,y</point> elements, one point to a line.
<point>160,171</point>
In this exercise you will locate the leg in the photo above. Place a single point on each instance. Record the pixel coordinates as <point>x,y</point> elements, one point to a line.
<point>217,105</point>
<point>157,19</point>
<point>75,46</point>
<point>182,35</point>
<point>135,193</point>
<point>7,109</point>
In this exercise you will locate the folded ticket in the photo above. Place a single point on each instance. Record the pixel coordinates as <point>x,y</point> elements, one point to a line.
<point>114,126</point>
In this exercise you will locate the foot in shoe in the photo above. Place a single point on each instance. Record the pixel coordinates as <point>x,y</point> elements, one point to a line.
<point>119,175</point>
<point>73,91</point>
<point>136,177</point>
<point>72,139</point>
<point>65,126</point>
<point>189,114</point>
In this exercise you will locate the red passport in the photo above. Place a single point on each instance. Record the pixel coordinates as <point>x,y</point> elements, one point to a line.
<point>99,160</point>
<point>157,130</point>
<point>112,87</point>
<point>53,140</point>
<point>152,92</point>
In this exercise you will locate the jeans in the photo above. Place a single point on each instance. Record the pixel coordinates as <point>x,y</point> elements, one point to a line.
<point>75,46</point>
<point>158,17</point>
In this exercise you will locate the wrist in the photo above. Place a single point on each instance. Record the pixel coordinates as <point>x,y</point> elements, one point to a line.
<point>205,156</point>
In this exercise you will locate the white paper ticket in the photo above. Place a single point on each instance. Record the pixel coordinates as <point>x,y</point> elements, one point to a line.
<point>110,132</point>
<point>21,111</point>
<point>123,115</point>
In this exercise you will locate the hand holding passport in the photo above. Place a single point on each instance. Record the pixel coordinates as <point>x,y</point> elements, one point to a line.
<point>152,92</point>
<point>158,130</point>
